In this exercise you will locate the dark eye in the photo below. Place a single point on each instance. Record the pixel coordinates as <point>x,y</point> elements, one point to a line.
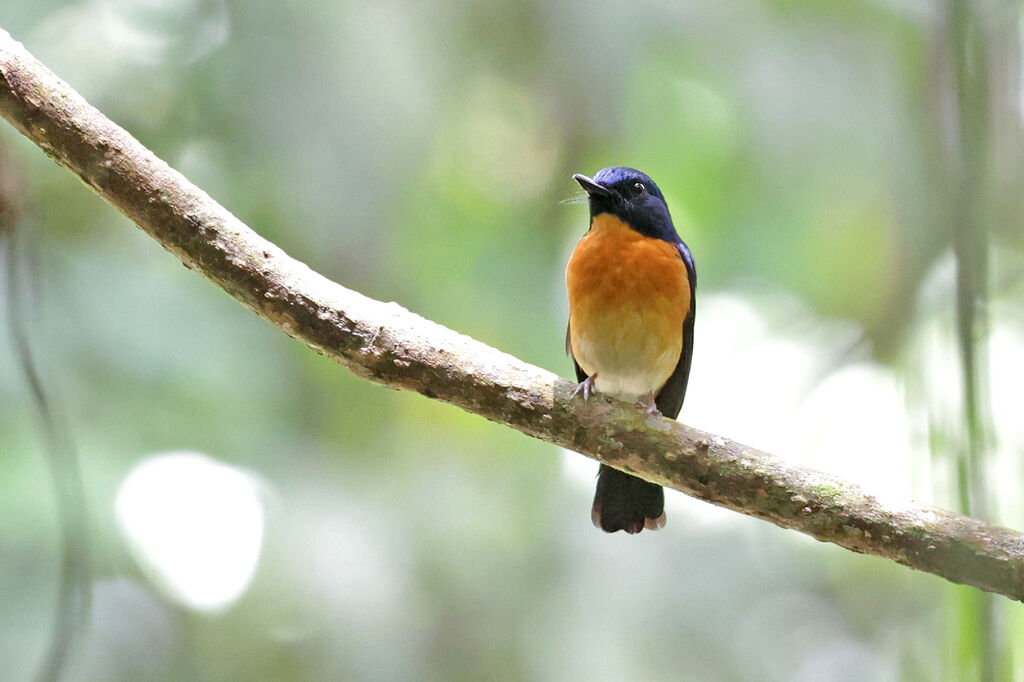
<point>638,189</point>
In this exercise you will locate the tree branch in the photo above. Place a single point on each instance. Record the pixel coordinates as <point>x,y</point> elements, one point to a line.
<point>387,344</point>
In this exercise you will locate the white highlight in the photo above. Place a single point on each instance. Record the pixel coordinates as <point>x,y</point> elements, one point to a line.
<point>194,525</point>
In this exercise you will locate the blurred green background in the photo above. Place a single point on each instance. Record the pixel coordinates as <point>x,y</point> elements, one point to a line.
<point>840,170</point>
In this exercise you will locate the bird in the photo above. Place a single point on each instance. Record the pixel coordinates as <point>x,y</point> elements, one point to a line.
<point>631,282</point>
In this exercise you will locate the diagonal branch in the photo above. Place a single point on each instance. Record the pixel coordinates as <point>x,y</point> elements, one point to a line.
<point>392,346</point>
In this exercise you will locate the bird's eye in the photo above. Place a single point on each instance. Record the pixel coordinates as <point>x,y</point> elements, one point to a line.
<point>638,189</point>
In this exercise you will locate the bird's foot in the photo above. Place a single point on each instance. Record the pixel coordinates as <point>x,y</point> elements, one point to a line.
<point>650,407</point>
<point>586,387</point>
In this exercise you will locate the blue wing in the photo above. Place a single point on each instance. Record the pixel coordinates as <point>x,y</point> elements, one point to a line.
<point>670,399</point>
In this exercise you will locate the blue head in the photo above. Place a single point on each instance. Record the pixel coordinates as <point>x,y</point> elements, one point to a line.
<point>632,196</point>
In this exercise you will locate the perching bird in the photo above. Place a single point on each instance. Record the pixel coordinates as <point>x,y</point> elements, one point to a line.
<point>631,283</point>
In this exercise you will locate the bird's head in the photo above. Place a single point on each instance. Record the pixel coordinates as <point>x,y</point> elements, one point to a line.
<point>632,196</point>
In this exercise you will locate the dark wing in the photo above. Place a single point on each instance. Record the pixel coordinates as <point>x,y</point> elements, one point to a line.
<point>670,399</point>
<point>580,374</point>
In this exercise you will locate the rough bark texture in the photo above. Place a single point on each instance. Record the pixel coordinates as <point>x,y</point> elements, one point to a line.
<point>388,344</point>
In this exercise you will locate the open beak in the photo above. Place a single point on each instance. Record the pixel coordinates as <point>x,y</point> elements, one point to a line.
<point>592,188</point>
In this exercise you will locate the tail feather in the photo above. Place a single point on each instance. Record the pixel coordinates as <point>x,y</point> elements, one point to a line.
<point>625,502</point>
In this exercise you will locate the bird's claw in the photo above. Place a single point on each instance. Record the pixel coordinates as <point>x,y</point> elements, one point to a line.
<point>650,407</point>
<point>586,387</point>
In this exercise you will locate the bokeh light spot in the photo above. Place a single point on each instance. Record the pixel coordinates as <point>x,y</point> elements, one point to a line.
<point>195,526</point>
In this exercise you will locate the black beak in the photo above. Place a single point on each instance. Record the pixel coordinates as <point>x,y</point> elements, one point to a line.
<point>592,188</point>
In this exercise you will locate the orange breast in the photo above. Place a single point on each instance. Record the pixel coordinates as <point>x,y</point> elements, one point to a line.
<point>628,297</point>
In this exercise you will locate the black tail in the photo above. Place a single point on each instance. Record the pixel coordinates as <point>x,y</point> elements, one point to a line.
<point>624,502</point>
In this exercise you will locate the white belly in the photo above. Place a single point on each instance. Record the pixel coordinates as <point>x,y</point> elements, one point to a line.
<point>630,365</point>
